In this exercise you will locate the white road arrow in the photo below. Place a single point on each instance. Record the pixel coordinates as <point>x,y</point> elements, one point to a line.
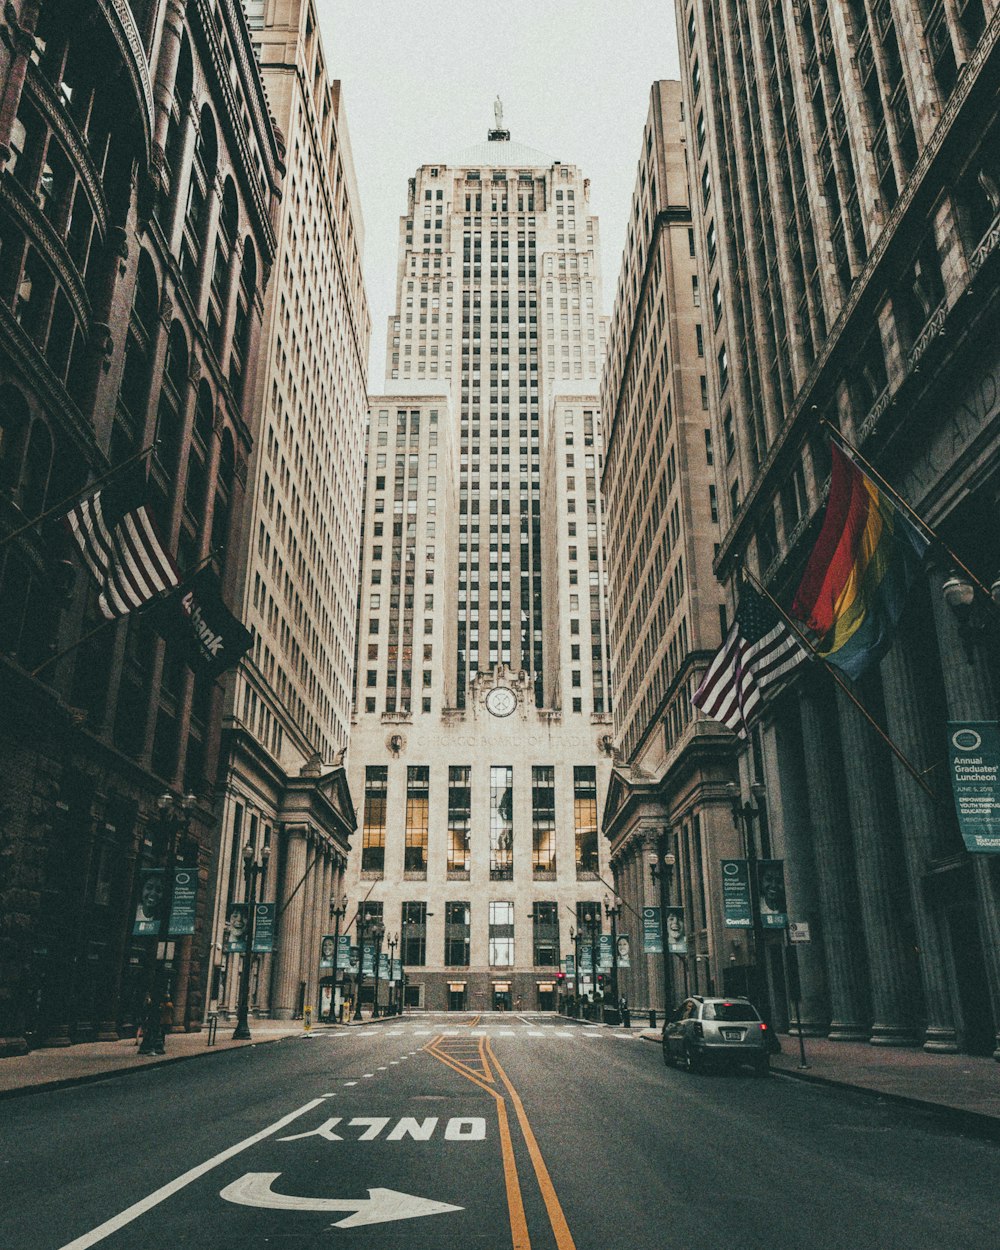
<point>380,1207</point>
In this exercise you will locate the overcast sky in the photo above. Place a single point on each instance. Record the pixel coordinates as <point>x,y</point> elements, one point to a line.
<point>419,81</point>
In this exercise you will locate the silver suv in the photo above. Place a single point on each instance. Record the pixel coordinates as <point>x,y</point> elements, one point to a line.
<point>727,1029</point>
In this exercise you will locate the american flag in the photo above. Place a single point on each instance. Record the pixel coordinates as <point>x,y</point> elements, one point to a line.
<point>120,546</point>
<point>759,649</point>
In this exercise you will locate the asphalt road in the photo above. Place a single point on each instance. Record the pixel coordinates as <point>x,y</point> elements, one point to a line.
<point>501,1132</point>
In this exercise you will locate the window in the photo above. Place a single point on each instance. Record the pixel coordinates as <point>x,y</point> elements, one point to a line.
<point>585,817</point>
<point>417,784</point>
<point>545,919</point>
<point>459,818</point>
<point>502,934</point>
<point>457,925</point>
<point>373,836</point>
<point>501,823</point>
<point>543,821</point>
<point>413,937</point>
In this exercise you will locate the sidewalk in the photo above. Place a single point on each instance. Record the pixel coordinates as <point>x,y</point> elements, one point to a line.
<point>71,1065</point>
<point>964,1089</point>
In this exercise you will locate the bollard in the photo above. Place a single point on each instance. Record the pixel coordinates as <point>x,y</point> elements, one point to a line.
<point>307,1019</point>
<point>652,1017</point>
<point>213,1025</point>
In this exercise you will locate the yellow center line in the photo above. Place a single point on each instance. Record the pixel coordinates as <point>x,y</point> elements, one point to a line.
<point>474,1021</point>
<point>560,1229</point>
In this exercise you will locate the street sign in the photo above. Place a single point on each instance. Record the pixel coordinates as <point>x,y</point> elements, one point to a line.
<point>798,931</point>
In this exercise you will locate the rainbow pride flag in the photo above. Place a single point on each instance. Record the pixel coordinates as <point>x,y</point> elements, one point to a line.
<point>866,558</point>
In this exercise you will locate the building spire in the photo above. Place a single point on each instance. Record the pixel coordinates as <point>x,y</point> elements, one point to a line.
<point>498,133</point>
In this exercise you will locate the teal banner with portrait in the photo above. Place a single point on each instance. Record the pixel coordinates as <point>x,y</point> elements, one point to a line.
<point>736,910</point>
<point>677,943</point>
<point>974,761</point>
<point>652,934</point>
<point>624,950</point>
<point>771,893</point>
<point>152,900</point>
<point>183,902</point>
<point>326,948</point>
<point>265,919</point>
<point>236,939</point>
<point>353,961</point>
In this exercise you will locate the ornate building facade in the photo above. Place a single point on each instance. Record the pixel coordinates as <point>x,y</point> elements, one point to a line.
<point>482,715</point>
<point>846,193</point>
<point>139,186</point>
<point>287,718</point>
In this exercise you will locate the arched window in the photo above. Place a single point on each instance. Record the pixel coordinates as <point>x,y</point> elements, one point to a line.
<point>173,392</point>
<point>206,157</point>
<point>194,494</point>
<point>224,239</point>
<point>133,394</point>
<point>241,325</point>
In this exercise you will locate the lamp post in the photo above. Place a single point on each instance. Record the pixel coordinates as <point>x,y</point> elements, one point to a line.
<point>362,926</point>
<point>661,865</point>
<point>254,866</point>
<point>392,942</point>
<point>174,815</point>
<point>337,910</point>
<point>613,910</point>
<point>744,816</point>
<point>574,936</point>
<point>378,932</point>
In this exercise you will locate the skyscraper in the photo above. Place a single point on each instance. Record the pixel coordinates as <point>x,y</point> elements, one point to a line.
<point>481,736</point>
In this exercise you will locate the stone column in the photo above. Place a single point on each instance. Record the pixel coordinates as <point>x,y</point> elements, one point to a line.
<point>969,692</point>
<point>289,938</point>
<point>308,942</point>
<point>846,974</point>
<point>873,821</point>
<point>788,810</point>
<point>906,721</point>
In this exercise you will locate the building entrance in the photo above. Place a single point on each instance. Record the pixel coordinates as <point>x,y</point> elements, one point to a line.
<point>457,1000</point>
<point>502,1000</point>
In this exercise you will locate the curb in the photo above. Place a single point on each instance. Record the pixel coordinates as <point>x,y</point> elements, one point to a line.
<point>87,1078</point>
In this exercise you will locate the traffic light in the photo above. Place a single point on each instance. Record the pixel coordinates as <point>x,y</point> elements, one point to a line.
<point>560,977</point>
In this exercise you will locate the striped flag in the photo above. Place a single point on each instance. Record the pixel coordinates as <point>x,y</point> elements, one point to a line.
<point>759,649</point>
<point>120,545</point>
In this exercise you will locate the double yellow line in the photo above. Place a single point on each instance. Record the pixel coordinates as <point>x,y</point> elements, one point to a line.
<point>483,1077</point>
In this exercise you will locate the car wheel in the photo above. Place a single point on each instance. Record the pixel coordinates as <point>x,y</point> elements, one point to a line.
<point>690,1060</point>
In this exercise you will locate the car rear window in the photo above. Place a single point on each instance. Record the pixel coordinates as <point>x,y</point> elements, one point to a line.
<point>729,1011</point>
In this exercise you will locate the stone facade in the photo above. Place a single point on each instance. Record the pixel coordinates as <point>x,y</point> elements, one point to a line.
<point>287,716</point>
<point>846,194</point>
<point>129,312</point>
<point>481,742</point>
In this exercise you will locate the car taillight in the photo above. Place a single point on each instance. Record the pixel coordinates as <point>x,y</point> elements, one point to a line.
<point>763,1027</point>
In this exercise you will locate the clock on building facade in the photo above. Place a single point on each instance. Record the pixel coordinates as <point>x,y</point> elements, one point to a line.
<point>501,701</point>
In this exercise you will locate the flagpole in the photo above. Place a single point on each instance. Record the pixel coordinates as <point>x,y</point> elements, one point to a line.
<point>897,498</point>
<point>160,598</point>
<point>78,494</point>
<point>831,669</point>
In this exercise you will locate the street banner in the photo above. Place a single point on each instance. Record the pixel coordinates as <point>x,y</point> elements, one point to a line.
<point>266,915</point>
<point>798,931</point>
<point>974,761</point>
<point>149,909</point>
<point>344,954</point>
<point>677,943</point>
<point>736,894</point>
<point>383,966</point>
<point>197,623</point>
<point>353,960</point>
<point>326,948</point>
<point>397,971</point>
<point>652,935</point>
<point>183,902</point>
<point>236,940</point>
<point>771,893</point>
<point>586,960</point>
<point>368,959</point>
<point>569,965</point>
<point>624,950</point>
<point>606,958</point>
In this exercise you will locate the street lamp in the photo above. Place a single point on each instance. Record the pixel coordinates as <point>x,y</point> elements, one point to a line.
<point>592,919</point>
<point>174,815</point>
<point>744,816</point>
<point>613,910</point>
<point>378,932</point>
<point>254,866</point>
<point>574,937</point>
<point>661,867</point>
<point>392,942</point>
<point>337,911</point>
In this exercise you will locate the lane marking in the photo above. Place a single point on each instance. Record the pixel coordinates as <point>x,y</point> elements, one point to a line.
<point>350,1082</point>
<point>172,1187</point>
<point>560,1229</point>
